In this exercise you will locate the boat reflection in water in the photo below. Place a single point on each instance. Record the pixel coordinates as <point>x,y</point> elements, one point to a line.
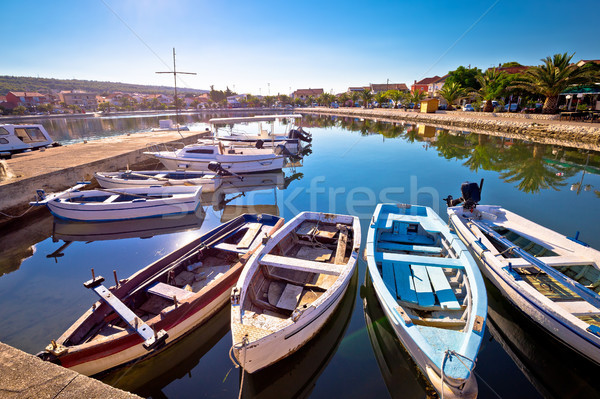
<point>553,369</point>
<point>70,231</point>
<point>401,375</point>
<point>295,376</point>
<point>235,188</point>
<point>150,376</point>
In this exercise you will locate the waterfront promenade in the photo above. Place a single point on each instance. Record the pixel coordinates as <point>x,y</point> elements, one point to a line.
<point>546,128</point>
<point>58,168</point>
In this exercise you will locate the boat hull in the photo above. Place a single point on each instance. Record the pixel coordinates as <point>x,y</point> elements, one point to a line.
<point>230,164</point>
<point>138,208</point>
<point>564,329</point>
<point>117,180</point>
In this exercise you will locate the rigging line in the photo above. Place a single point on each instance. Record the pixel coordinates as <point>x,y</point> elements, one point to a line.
<point>142,40</point>
<point>460,38</point>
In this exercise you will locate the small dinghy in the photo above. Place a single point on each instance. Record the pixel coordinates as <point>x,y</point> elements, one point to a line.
<point>147,312</point>
<point>292,286</point>
<point>145,178</point>
<point>120,204</point>
<point>431,291</point>
<point>554,280</point>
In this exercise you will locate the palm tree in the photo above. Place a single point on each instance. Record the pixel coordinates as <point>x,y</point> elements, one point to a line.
<point>451,92</point>
<point>417,96</point>
<point>394,95</point>
<point>552,78</point>
<point>381,98</point>
<point>490,88</point>
<point>367,96</point>
<point>355,96</point>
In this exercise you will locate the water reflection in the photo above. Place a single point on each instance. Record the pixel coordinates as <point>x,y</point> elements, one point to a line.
<point>401,375</point>
<point>532,167</point>
<point>554,370</point>
<point>296,375</point>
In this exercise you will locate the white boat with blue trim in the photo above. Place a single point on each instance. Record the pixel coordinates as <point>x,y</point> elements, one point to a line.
<point>120,204</point>
<point>292,286</point>
<point>431,291</point>
<point>554,280</point>
<point>145,178</point>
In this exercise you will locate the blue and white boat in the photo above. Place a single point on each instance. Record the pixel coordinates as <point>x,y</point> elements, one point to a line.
<point>431,291</point>
<point>121,204</point>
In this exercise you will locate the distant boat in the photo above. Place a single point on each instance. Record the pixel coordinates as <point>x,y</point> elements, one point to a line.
<point>121,204</point>
<point>145,178</point>
<point>234,160</point>
<point>166,125</point>
<point>291,138</point>
<point>161,303</point>
<point>292,286</point>
<point>552,279</point>
<point>431,292</point>
<point>19,138</point>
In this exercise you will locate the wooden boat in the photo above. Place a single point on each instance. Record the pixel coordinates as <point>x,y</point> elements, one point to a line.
<point>235,160</point>
<point>162,302</point>
<point>431,292</point>
<point>292,286</point>
<point>552,279</point>
<point>145,178</point>
<point>121,204</point>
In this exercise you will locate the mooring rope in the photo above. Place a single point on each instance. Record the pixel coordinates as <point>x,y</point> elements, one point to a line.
<point>17,216</point>
<point>241,345</point>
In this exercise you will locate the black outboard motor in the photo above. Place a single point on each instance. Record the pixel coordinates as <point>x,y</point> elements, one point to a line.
<point>471,195</point>
<point>259,144</point>
<point>218,169</point>
<point>300,134</point>
<point>281,150</point>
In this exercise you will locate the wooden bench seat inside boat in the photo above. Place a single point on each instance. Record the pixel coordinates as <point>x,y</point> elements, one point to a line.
<point>391,246</point>
<point>420,260</point>
<point>169,291</point>
<point>411,239</point>
<point>419,285</point>
<point>301,264</point>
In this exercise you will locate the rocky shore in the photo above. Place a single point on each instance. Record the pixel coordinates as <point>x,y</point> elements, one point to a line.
<point>543,128</point>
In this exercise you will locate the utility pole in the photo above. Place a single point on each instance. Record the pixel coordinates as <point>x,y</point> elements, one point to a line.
<point>174,72</point>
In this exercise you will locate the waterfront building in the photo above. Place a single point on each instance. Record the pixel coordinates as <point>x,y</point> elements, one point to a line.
<point>303,94</point>
<point>79,98</point>
<point>423,84</point>
<point>25,99</point>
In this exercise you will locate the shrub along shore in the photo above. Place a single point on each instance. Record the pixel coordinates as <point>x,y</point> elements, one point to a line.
<point>524,126</point>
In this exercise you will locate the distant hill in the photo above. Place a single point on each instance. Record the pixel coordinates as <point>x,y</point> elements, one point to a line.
<point>44,85</point>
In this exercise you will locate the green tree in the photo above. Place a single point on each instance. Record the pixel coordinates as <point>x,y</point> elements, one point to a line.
<point>104,106</point>
<point>467,77</point>
<point>343,99</point>
<point>490,87</point>
<point>553,77</point>
<point>451,92</point>
<point>417,96</point>
<point>355,96</point>
<point>367,96</point>
<point>394,95</point>
<point>19,110</point>
<point>381,98</point>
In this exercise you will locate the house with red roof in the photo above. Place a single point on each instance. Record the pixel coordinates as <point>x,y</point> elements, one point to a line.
<point>423,85</point>
<point>25,98</point>
<point>303,94</point>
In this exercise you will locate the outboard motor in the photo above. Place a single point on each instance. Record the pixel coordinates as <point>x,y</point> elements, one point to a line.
<point>471,195</point>
<point>217,168</point>
<point>300,134</point>
<point>281,150</point>
<point>259,144</point>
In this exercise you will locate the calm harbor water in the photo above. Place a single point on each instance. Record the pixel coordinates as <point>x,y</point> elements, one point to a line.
<point>354,164</point>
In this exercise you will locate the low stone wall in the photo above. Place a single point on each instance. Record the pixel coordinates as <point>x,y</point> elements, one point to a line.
<point>588,134</point>
<point>512,115</point>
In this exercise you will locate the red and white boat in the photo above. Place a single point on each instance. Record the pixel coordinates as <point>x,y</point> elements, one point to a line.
<point>158,305</point>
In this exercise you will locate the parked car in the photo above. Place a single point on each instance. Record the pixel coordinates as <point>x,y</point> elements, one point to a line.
<point>495,104</point>
<point>514,107</point>
<point>468,108</point>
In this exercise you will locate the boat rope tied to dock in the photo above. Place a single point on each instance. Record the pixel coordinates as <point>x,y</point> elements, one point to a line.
<point>448,355</point>
<point>238,346</point>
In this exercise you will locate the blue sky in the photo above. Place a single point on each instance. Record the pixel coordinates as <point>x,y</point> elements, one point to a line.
<point>273,47</point>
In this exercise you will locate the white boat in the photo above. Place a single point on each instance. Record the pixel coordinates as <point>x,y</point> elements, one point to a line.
<point>202,155</point>
<point>121,204</point>
<point>552,279</point>
<point>291,138</point>
<point>292,286</point>
<point>18,138</point>
<point>432,293</point>
<point>166,125</point>
<point>145,178</point>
